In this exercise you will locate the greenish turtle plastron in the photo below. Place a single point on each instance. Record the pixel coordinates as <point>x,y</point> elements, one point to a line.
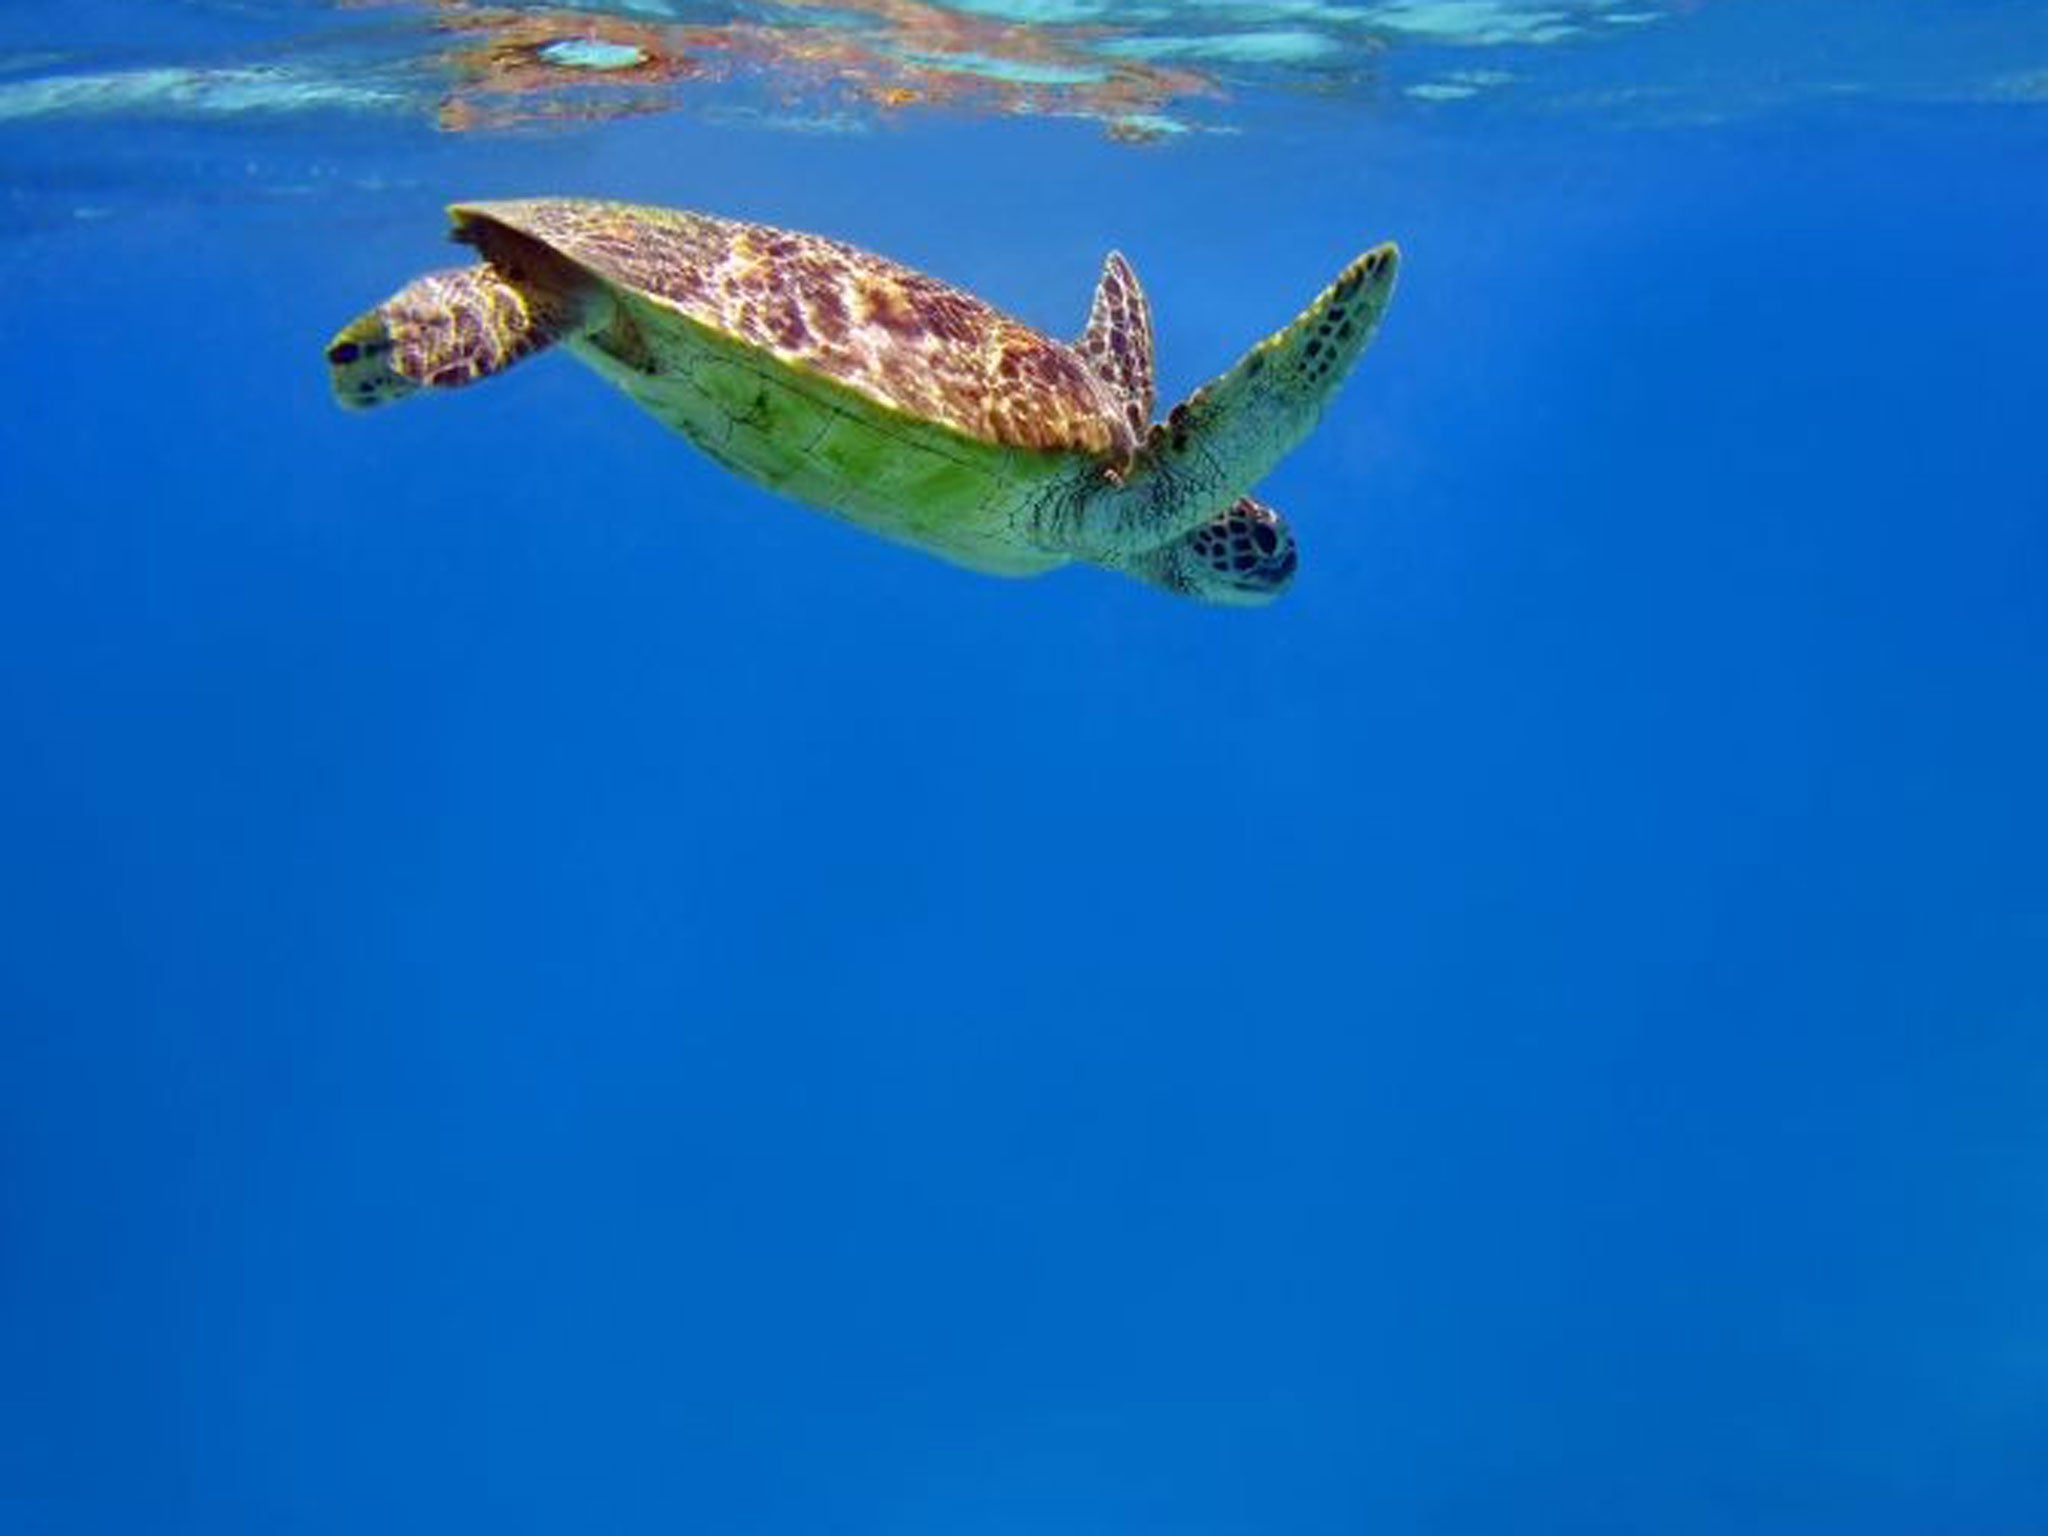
<point>852,384</point>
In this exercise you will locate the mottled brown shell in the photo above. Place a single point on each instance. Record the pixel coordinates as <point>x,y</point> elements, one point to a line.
<point>906,341</point>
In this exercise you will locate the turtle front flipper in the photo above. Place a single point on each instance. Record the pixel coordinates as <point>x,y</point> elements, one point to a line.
<point>444,330</point>
<point>1243,424</point>
<point>1117,346</point>
<point>1243,559</point>
<point>1230,434</point>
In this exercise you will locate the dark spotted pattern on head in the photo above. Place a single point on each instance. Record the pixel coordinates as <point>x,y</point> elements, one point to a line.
<point>1250,548</point>
<point>1118,342</point>
<point>902,339</point>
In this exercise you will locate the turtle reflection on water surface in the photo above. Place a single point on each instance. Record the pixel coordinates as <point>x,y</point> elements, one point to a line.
<point>858,386</point>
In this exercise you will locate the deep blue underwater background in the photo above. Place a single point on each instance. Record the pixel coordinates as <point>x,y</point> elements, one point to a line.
<point>544,991</point>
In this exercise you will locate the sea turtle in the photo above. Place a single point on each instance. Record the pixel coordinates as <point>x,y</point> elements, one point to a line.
<point>856,385</point>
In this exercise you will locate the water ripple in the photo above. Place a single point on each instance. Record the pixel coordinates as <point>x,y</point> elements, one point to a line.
<point>1145,72</point>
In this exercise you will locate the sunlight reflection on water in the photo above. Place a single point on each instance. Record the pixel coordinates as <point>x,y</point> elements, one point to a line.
<point>1145,71</point>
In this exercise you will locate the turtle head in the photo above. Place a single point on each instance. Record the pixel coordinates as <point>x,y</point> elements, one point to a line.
<point>1243,559</point>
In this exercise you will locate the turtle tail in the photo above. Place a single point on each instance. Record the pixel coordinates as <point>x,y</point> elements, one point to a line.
<point>443,330</point>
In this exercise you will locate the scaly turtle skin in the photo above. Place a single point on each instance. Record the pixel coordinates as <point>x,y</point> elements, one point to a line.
<point>863,388</point>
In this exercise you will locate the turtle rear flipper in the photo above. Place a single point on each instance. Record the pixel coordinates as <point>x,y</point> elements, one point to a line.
<point>444,330</point>
<point>359,365</point>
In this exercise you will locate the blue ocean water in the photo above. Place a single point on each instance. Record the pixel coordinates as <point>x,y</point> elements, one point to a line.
<point>544,990</point>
